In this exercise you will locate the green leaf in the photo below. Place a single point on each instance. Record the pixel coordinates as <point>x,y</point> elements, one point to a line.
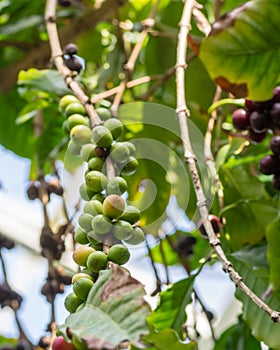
<point>262,326</point>
<point>252,255</point>
<point>167,339</point>
<point>7,341</point>
<point>115,311</point>
<point>43,80</point>
<point>243,50</point>
<point>171,311</point>
<point>273,252</point>
<point>237,337</point>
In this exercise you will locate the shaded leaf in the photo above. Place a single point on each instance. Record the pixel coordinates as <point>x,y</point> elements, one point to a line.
<point>260,323</point>
<point>242,52</point>
<point>273,252</point>
<point>171,312</point>
<point>115,311</point>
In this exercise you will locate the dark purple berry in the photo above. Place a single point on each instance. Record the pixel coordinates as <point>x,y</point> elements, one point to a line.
<point>269,165</point>
<point>258,121</point>
<point>73,64</point>
<point>215,222</point>
<point>276,182</point>
<point>251,105</point>
<point>257,137</point>
<point>275,145</point>
<point>276,94</point>
<point>240,119</point>
<point>71,49</point>
<point>275,114</point>
<point>64,3</point>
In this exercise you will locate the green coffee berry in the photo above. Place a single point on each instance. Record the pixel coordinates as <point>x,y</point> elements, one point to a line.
<point>119,152</point>
<point>95,238</point>
<point>85,193</point>
<point>130,167</point>
<point>73,108</point>
<point>113,206</point>
<point>130,214</point>
<point>82,286</point>
<point>80,275</point>
<point>137,237</point>
<point>122,230</point>
<point>87,151</point>
<point>97,261</point>
<point>72,302</point>
<point>73,148</point>
<point>80,134</point>
<point>119,254</point>
<point>102,136</point>
<point>103,113</point>
<point>84,221</point>
<point>101,224</point>
<point>81,254</point>
<point>93,207</point>
<point>99,197</point>
<point>131,147</point>
<point>115,126</point>
<point>96,163</point>
<point>76,119</point>
<point>96,181</point>
<point>65,101</point>
<point>81,236</point>
<point>117,185</point>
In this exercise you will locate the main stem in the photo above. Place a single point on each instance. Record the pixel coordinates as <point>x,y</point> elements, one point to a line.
<point>182,114</point>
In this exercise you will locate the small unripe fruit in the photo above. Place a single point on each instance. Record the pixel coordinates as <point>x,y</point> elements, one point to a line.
<point>81,236</point>
<point>81,254</point>
<point>115,126</point>
<point>122,230</point>
<point>80,134</point>
<point>65,101</point>
<point>101,224</point>
<point>85,193</point>
<point>131,214</point>
<point>119,254</point>
<point>73,148</point>
<point>95,238</point>
<point>60,343</point>
<point>117,185</point>
<point>82,286</point>
<point>96,163</point>
<point>74,108</point>
<point>102,136</point>
<point>93,207</point>
<point>113,206</point>
<point>97,261</point>
<point>80,275</point>
<point>131,147</point>
<point>72,302</point>
<point>137,237</point>
<point>130,167</point>
<point>99,197</point>
<point>96,181</point>
<point>85,221</point>
<point>119,152</point>
<point>76,119</point>
<point>103,113</point>
<point>87,151</point>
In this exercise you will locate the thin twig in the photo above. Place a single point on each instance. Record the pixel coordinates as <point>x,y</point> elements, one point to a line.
<point>190,158</point>
<point>158,280</point>
<point>57,58</point>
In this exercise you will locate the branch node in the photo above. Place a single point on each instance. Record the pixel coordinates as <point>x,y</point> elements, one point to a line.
<point>148,23</point>
<point>214,243</point>
<point>183,65</point>
<point>227,268</point>
<point>275,316</point>
<point>50,19</point>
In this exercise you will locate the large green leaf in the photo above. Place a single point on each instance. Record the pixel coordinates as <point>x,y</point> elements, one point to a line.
<point>115,311</point>
<point>171,311</point>
<point>237,336</point>
<point>243,50</point>
<point>167,339</point>
<point>273,252</point>
<point>257,279</point>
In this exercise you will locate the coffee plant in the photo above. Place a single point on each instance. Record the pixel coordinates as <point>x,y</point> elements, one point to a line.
<point>170,111</point>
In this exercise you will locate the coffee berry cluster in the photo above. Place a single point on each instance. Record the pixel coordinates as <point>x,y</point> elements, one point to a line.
<point>106,221</point>
<point>260,120</point>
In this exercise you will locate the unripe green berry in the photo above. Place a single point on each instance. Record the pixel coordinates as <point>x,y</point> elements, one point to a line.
<point>102,136</point>
<point>65,101</point>
<point>80,134</point>
<point>81,254</point>
<point>117,185</point>
<point>85,193</point>
<point>95,238</point>
<point>119,254</point>
<point>96,181</point>
<point>131,147</point>
<point>97,261</point>
<point>96,163</point>
<point>87,151</point>
<point>73,108</point>
<point>115,126</point>
<point>93,207</point>
<point>122,230</point>
<point>81,236</point>
<point>113,206</point>
<point>80,275</point>
<point>103,113</point>
<point>101,224</point>
<point>73,148</point>
<point>76,119</point>
<point>130,214</point>
<point>72,302</point>
<point>137,237</point>
<point>82,286</point>
<point>84,221</point>
<point>130,167</point>
<point>119,152</point>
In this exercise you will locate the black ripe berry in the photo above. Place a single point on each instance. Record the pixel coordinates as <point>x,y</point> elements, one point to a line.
<point>275,145</point>
<point>70,49</point>
<point>276,94</point>
<point>269,165</point>
<point>258,121</point>
<point>216,225</point>
<point>240,119</point>
<point>73,64</point>
<point>276,181</point>
<point>64,3</point>
<point>257,137</point>
<point>275,114</point>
